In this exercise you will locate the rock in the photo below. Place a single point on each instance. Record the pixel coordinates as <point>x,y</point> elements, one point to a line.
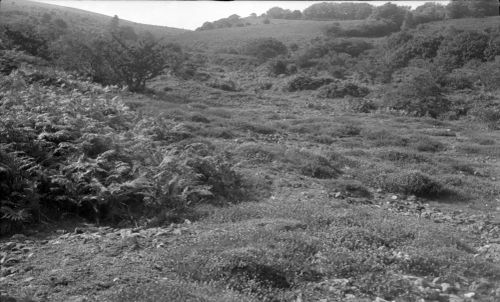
<point>177,232</point>
<point>469,295</point>
<point>337,195</point>
<point>378,299</point>
<point>394,197</point>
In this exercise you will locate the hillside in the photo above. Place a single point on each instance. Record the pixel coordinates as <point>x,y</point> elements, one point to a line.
<point>287,31</point>
<point>334,171</point>
<point>15,11</point>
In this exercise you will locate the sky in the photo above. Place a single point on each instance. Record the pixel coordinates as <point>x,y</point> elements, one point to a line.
<point>191,14</point>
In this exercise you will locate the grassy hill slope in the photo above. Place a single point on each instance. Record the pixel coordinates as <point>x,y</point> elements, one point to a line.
<point>287,31</point>
<point>14,11</point>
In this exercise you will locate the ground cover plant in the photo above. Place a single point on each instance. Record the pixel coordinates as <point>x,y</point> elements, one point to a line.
<point>337,169</point>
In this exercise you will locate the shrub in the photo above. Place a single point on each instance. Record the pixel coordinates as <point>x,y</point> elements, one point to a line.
<point>265,48</point>
<point>27,39</point>
<point>489,74</point>
<point>312,165</point>
<point>303,82</point>
<point>360,105</point>
<point>226,85</point>
<point>278,65</point>
<point>487,112</point>
<point>460,79</point>
<point>411,182</point>
<point>342,89</point>
<point>416,93</point>
<point>427,144</point>
<point>459,48</point>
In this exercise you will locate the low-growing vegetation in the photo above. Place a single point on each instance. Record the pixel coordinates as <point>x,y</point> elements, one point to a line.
<point>347,152</point>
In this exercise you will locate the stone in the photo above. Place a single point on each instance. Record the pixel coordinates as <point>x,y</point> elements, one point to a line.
<point>469,295</point>
<point>394,197</point>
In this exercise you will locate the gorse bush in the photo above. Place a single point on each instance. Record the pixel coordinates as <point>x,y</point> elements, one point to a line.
<point>416,93</point>
<point>265,48</point>
<point>342,89</point>
<point>303,82</point>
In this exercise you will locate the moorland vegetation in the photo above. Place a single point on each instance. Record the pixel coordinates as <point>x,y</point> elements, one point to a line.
<point>360,165</point>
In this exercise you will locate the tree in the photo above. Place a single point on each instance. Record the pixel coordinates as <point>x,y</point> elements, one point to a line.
<point>114,23</point>
<point>133,63</point>
<point>276,13</point>
<point>429,12</point>
<point>390,12</point>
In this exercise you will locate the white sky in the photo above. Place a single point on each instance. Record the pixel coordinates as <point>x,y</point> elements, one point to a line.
<point>192,14</point>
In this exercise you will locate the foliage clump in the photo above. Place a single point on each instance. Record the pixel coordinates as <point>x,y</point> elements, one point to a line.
<point>411,183</point>
<point>342,89</point>
<point>416,93</point>
<point>265,48</point>
<point>303,82</point>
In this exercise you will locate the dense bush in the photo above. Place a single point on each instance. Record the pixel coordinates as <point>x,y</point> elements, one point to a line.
<point>459,48</point>
<point>342,89</point>
<point>280,65</point>
<point>303,82</point>
<point>265,48</point>
<point>416,92</point>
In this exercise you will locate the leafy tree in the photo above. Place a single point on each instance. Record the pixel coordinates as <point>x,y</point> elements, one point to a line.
<point>429,12</point>
<point>276,13</point>
<point>133,63</point>
<point>390,12</point>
